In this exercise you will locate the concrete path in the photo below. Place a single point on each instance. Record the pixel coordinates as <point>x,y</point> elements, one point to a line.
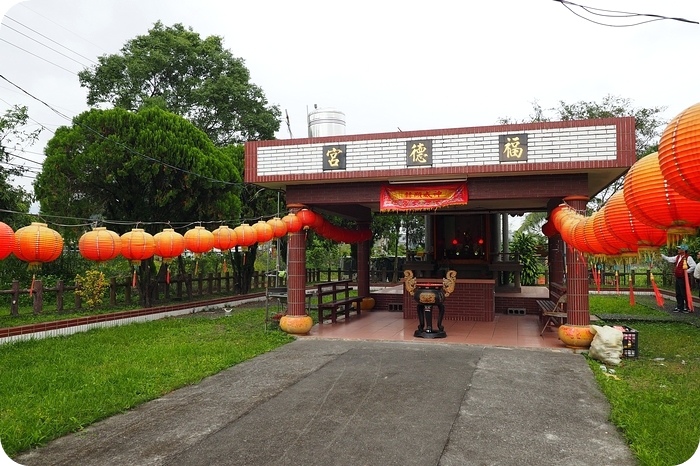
<point>325,402</point>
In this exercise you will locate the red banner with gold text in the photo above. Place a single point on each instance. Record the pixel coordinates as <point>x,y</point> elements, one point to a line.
<point>415,197</point>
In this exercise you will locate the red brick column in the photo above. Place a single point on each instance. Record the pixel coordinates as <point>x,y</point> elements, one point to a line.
<point>577,274</point>
<point>296,270</point>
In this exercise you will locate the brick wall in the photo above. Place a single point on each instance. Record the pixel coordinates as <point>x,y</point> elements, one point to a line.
<point>472,300</point>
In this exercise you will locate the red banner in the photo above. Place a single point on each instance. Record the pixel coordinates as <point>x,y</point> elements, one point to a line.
<point>417,197</point>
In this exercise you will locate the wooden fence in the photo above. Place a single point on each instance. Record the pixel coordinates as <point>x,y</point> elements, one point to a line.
<point>189,288</point>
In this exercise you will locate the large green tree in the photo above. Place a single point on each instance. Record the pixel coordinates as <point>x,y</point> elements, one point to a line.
<point>193,77</point>
<point>146,166</point>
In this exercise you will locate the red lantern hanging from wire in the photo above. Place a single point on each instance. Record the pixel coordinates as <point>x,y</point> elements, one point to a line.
<point>307,217</point>
<point>137,245</point>
<point>652,201</point>
<point>100,244</point>
<point>7,240</point>
<point>293,223</point>
<point>169,244</point>
<point>198,240</point>
<point>679,148</point>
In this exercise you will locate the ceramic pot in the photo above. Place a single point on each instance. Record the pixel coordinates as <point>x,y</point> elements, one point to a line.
<point>296,325</point>
<point>576,336</point>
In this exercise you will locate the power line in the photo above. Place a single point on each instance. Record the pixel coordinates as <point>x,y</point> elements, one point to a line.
<point>123,146</point>
<point>619,14</point>
<point>48,38</point>
<point>44,45</point>
<point>37,56</point>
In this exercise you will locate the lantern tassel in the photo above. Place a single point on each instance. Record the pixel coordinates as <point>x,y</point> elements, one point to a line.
<point>631,291</point>
<point>196,267</point>
<point>617,282</point>
<point>657,293</point>
<point>133,279</point>
<point>224,269</point>
<point>31,287</point>
<point>167,274</point>
<point>688,294</point>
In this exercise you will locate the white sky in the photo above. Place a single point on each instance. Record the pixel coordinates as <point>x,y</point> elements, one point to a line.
<point>385,64</point>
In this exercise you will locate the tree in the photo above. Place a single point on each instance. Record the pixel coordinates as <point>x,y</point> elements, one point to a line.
<point>14,200</point>
<point>13,138</point>
<point>197,79</point>
<point>147,166</point>
<point>150,166</point>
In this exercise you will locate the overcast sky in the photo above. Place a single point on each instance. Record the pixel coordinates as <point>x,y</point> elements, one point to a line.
<point>385,64</point>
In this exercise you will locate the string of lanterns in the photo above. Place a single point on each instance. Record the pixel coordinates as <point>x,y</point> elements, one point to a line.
<point>37,243</point>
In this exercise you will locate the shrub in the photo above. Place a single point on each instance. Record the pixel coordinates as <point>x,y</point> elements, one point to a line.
<point>91,287</point>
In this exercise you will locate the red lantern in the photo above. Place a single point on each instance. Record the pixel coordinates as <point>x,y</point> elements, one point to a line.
<point>246,235</point>
<point>137,245</point>
<point>656,204</point>
<point>37,243</point>
<point>224,238</point>
<point>99,245</point>
<point>293,223</point>
<point>263,231</point>
<point>307,218</point>
<point>679,148</point>
<point>169,244</point>
<point>7,240</point>
<point>199,240</point>
<point>548,229</point>
<point>559,214</point>
<point>613,245</point>
<point>279,228</point>
<point>639,237</point>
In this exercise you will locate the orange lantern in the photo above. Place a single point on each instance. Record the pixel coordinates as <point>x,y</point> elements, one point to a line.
<point>263,231</point>
<point>614,246</point>
<point>169,244</point>
<point>199,240</point>
<point>7,240</point>
<point>656,204</point>
<point>137,245</point>
<point>100,244</point>
<point>679,148</point>
<point>597,247</point>
<point>224,238</point>
<point>246,235</point>
<point>37,243</point>
<point>279,228</point>
<point>568,228</point>
<point>559,214</point>
<point>293,223</point>
<point>307,217</point>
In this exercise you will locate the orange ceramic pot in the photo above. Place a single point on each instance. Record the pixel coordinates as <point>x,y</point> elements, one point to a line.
<point>367,304</point>
<point>576,336</point>
<point>296,325</point>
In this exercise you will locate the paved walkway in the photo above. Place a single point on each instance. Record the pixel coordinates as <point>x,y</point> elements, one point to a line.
<point>329,402</point>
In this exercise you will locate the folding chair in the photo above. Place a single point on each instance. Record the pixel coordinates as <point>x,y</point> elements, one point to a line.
<point>557,316</point>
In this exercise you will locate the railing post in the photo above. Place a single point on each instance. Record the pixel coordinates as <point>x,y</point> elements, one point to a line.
<point>38,293</point>
<point>59,296</point>
<point>14,306</point>
<point>113,291</point>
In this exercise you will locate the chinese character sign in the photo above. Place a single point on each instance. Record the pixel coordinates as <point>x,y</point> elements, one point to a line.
<point>419,153</point>
<point>334,158</point>
<point>512,147</point>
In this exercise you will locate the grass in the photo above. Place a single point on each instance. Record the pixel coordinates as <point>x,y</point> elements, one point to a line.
<point>59,385</point>
<point>655,398</point>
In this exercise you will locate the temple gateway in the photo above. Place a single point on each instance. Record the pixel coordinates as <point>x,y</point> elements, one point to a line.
<point>466,181</point>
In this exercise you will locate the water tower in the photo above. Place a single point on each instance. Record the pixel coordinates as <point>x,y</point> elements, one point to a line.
<point>326,122</point>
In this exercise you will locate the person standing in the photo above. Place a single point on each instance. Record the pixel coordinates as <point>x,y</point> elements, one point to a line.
<point>683,264</point>
<point>696,274</point>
